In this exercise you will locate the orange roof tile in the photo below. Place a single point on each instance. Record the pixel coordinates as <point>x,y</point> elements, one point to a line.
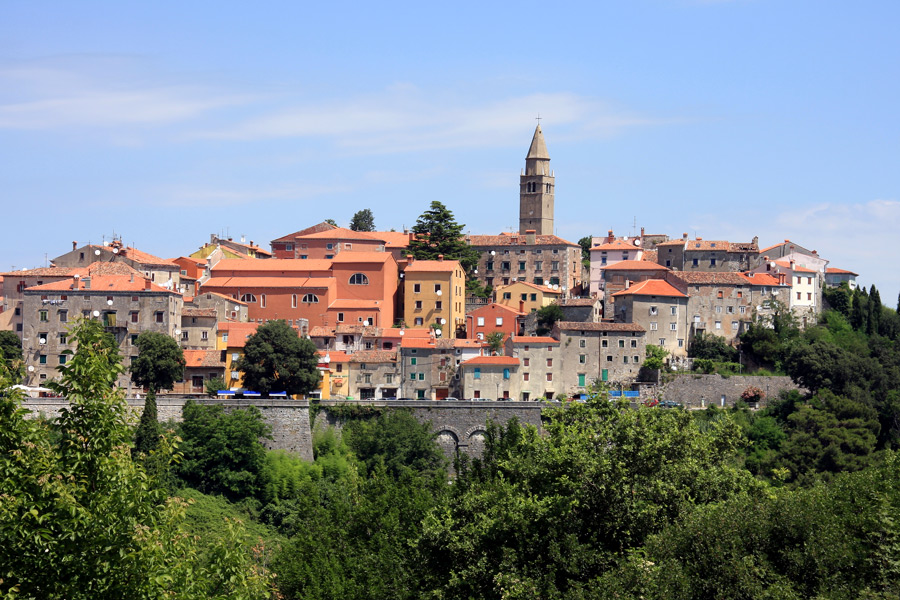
<point>602,326</point>
<point>712,278</point>
<point>787,265</point>
<point>100,284</point>
<point>40,272</point>
<point>362,257</point>
<point>282,265</point>
<point>515,239</point>
<point>492,360</point>
<point>417,342</point>
<point>651,287</point>
<point>198,312</point>
<point>323,226</point>
<point>340,233</point>
<point>203,358</point>
<point>534,286</point>
<point>616,245</point>
<point>268,282</point>
<point>836,271</point>
<point>534,339</point>
<point>336,356</point>
<point>393,239</point>
<point>707,245</point>
<point>374,356</point>
<point>763,279</point>
<point>433,266</point>
<point>634,265</point>
<point>494,306</point>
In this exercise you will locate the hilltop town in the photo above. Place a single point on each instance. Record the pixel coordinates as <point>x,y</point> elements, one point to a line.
<point>524,315</point>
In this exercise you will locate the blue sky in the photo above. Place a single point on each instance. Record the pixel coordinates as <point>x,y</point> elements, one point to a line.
<point>164,122</point>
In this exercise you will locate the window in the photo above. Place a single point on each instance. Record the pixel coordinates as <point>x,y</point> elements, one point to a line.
<point>249,298</point>
<point>418,305</point>
<point>582,359</point>
<point>304,256</point>
<point>554,265</point>
<point>662,341</point>
<point>329,246</point>
<point>712,262</point>
<point>729,310</point>
<point>419,321</point>
<point>438,305</point>
<point>62,359</point>
<point>134,338</point>
<point>310,299</point>
<point>262,301</point>
<point>538,265</point>
<point>538,281</point>
<point>681,343</point>
<point>507,295</point>
<point>42,315</point>
<point>549,362</point>
<point>604,343</point>
<point>634,343</point>
<point>582,343</point>
<point>504,265</point>
<point>476,374</point>
<point>480,321</point>
<point>134,316</point>
<point>417,288</point>
<point>63,316</point>
<point>62,338</point>
<point>621,343</point>
<point>625,360</point>
<point>734,325</point>
<point>412,360</point>
<point>499,321</point>
<point>809,295</point>
<point>673,310</point>
<point>533,297</point>
<point>718,309</point>
<point>742,309</point>
<point>184,336</point>
<point>720,294</point>
<point>636,359</point>
<point>359,279</point>
<point>42,359</point>
<point>524,296</point>
<point>340,317</point>
<point>673,327</point>
<point>809,280</point>
<point>652,325</point>
<point>367,378</point>
<point>549,376</point>
<point>526,362</point>
<point>293,300</point>
<point>289,247</point>
<point>525,377</point>
<point>695,262</point>
<point>718,324</point>
<point>159,316</point>
<point>740,294</point>
<point>653,310</point>
<point>798,295</point>
<point>437,288</point>
<point>506,373</point>
<point>204,335</point>
<point>581,380</point>
<point>521,265</point>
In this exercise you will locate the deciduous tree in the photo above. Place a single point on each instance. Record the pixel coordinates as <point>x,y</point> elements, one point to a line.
<point>363,220</point>
<point>276,359</point>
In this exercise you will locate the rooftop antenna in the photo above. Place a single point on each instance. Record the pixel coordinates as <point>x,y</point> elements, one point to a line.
<point>634,228</point>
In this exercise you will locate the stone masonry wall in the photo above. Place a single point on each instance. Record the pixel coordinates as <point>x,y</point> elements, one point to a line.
<point>699,391</point>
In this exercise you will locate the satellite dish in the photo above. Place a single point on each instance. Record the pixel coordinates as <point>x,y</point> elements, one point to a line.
<point>97,252</point>
<point>237,307</point>
<point>30,368</point>
<point>475,271</point>
<point>443,321</point>
<point>493,253</point>
<point>109,302</point>
<point>401,332</point>
<point>437,332</point>
<point>96,313</point>
<point>637,242</point>
<point>177,332</point>
<point>326,358</point>
<point>43,340</point>
<point>115,250</point>
<point>772,265</point>
<point>440,292</point>
<point>759,307</point>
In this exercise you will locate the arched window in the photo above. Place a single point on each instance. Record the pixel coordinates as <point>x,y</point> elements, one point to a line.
<point>359,279</point>
<point>310,299</point>
<point>248,298</point>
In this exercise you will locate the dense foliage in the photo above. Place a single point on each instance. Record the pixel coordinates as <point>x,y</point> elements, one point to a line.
<point>11,355</point>
<point>277,359</point>
<point>438,234</point>
<point>363,220</point>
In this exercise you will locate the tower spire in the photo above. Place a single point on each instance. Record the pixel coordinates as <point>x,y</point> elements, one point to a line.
<point>536,188</point>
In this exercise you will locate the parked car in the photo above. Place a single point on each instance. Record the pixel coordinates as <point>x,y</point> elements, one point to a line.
<point>669,404</point>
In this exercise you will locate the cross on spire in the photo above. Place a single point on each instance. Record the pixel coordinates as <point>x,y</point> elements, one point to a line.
<point>538,118</point>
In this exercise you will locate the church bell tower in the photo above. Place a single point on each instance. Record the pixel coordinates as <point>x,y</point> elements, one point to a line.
<point>536,188</point>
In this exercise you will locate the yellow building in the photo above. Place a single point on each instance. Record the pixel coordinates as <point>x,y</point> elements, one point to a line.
<point>434,294</point>
<point>526,297</point>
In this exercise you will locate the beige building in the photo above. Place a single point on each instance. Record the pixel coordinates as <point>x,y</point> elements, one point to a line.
<point>374,374</point>
<point>544,260</point>
<point>161,271</point>
<point>658,308</point>
<point>606,352</point>
<point>541,367</point>
<point>701,255</point>
<point>537,188</point>
<point>526,297</point>
<point>491,378</point>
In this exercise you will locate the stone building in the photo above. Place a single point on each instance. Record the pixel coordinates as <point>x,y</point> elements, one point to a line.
<point>609,352</point>
<point>537,188</point>
<point>541,367</point>
<point>621,275</point>
<point>126,305</point>
<point>12,317</point>
<point>160,271</point>
<point>491,378</point>
<point>374,374</point>
<point>544,260</point>
<point>701,255</point>
<point>588,310</point>
<point>658,308</point>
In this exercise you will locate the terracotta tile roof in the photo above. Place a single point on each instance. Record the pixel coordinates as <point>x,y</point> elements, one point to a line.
<point>492,360</point>
<point>460,343</point>
<point>321,332</point>
<point>671,243</point>
<point>393,239</point>
<point>634,265</point>
<point>268,282</point>
<point>278,265</point>
<point>602,326</point>
<point>714,278</point>
<point>340,233</point>
<point>836,271</point>
<point>238,332</point>
<point>336,356</point>
<point>534,339</point>
<point>765,279</point>
<point>416,332</point>
<point>707,245</point>
<point>374,356</point>
<point>651,287</point>
<point>144,258</point>
<point>433,266</point>
<point>577,301</point>
<point>797,268</point>
<point>203,358</point>
<point>364,330</point>
<point>650,255</point>
<point>256,249</point>
<point>40,272</point>
<point>616,245</point>
<point>199,312</point>
<point>493,306</point>
<point>101,284</point>
<point>515,239</point>
<point>773,246</point>
<point>418,342</point>
<point>323,226</point>
<point>362,257</point>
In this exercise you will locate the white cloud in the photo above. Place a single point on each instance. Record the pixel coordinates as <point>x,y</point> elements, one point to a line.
<point>196,196</point>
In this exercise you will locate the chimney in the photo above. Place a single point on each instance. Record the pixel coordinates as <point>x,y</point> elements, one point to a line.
<point>74,245</point>
<point>87,283</point>
<point>781,278</point>
<point>642,234</point>
<point>684,236</point>
<point>132,278</point>
<point>610,238</point>
<point>521,306</point>
<point>251,243</point>
<point>792,264</point>
<point>146,284</point>
<point>530,236</point>
<point>440,257</point>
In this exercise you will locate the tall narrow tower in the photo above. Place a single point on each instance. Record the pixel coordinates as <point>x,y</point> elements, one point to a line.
<point>536,188</point>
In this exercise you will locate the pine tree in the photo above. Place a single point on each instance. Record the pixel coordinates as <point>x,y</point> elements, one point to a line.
<point>437,233</point>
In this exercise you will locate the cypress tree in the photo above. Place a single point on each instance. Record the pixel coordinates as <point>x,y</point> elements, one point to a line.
<point>146,437</point>
<point>874,311</point>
